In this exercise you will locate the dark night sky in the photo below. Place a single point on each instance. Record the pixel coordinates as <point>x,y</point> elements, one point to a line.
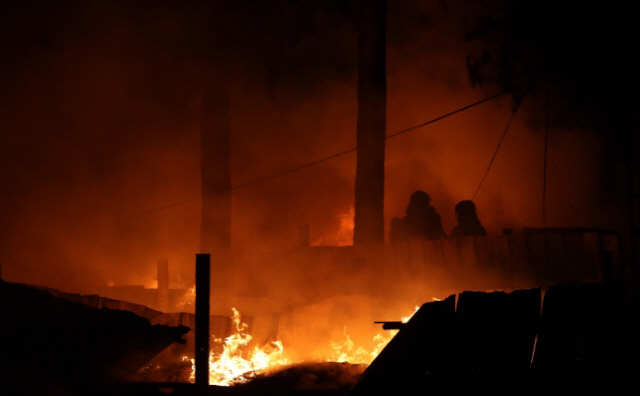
<point>100,104</point>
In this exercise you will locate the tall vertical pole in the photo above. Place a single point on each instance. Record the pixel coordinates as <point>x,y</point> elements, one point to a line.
<point>371,128</point>
<point>203,289</point>
<point>163,285</point>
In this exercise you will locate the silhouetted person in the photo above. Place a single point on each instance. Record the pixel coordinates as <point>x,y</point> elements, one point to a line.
<point>468,223</point>
<point>421,222</point>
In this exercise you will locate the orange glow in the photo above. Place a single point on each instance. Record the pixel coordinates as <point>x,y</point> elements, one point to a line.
<point>188,299</point>
<point>346,351</point>
<point>231,367</point>
<point>236,365</point>
<point>344,235</point>
<point>405,319</point>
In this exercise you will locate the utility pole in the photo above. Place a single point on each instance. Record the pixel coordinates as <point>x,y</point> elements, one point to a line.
<point>371,128</point>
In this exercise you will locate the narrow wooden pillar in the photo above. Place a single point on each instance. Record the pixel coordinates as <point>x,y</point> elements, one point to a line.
<point>203,289</point>
<point>163,285</point>
<point>371,126</point>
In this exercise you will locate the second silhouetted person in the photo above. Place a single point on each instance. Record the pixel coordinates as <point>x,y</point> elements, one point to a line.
<point>468,222</point>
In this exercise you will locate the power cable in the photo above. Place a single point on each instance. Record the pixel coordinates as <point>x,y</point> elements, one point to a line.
<point>497,149</point>
<point>295,169</point>
<point>448,114</point>
<point>355,148</point>
<point>334,155</point>
<point>161,208</point>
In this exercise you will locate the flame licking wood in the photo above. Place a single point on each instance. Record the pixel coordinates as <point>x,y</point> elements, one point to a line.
<point>230,367</point>
<point>347,352</point>
<point>236,365</point>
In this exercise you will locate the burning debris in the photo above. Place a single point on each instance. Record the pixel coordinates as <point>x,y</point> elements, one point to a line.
<point>233,362</point>
<point>235,365</point>
<point>569,337</point>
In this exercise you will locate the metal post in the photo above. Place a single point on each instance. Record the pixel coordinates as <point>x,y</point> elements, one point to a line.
<point>203,286</point>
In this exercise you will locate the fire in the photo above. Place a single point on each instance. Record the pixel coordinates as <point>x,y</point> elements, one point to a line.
<point>236,365</point>
<point>348,353</point>
<point>405,319</point>
<point>231,367</point>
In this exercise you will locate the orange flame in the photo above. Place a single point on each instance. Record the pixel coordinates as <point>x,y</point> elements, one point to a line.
<point>232,367</point>
<point>348,353</point>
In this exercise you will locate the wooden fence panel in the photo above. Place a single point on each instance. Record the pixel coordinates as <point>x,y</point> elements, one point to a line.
<point>582,337</point>
<point>496,334</point>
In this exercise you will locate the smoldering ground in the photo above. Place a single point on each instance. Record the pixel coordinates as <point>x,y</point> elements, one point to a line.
<point>101,106</point>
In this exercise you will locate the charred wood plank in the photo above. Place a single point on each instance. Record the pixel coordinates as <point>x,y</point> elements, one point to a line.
<point>417,356</point>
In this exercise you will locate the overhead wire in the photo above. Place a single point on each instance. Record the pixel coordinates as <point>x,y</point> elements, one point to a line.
<point>162,208</point>
<point>331,156</point>
<point>497,149</point>
<point>351,150</point>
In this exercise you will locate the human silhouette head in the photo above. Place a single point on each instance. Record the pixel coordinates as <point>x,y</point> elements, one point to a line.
<point>419,199</point>
<point>466,212</point>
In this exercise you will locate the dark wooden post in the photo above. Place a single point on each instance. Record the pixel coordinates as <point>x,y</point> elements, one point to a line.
<point>203,280</point>
<point>371,128</point>
<point>163,285</point>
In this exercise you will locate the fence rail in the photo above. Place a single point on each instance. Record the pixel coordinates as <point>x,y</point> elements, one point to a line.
<point>530,257</point>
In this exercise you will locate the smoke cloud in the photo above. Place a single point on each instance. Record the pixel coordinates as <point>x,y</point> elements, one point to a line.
<point>101,104</point>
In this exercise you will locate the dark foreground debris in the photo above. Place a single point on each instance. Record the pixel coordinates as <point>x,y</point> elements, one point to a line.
<point>581,341</point>
<point>50,345</point>
<point>570,339</point>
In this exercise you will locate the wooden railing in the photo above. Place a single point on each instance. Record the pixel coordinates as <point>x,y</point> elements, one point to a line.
<point>529,257</point>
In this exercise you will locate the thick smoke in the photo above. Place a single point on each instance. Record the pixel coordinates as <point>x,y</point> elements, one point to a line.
<point>101,105</point>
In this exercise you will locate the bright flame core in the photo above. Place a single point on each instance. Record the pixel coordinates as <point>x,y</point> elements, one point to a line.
<point>236,365</point>
<point>231,367</point>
